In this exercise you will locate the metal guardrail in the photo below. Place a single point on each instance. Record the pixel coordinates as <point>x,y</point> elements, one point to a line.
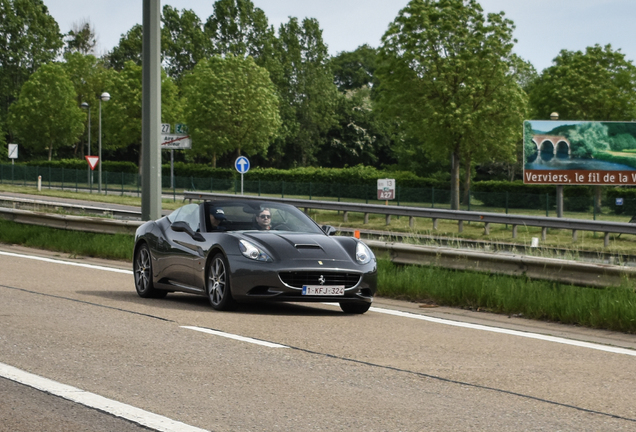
<point>41,205</point>
<point>460,216</point>
<point>71,222</point>
<point>553,269</point>
<point>565,271</point>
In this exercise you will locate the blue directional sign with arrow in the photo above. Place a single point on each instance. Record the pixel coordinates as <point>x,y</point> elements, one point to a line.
<point>242,164</point>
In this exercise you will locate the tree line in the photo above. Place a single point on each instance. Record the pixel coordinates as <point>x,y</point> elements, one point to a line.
<point>443,96</point>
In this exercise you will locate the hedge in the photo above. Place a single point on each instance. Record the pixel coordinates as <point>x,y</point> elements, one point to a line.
<point>525,196</point>
<point>358,175</point>
<point>111,166</point>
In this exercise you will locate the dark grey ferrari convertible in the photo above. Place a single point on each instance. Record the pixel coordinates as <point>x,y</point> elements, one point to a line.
<point>240,251</point>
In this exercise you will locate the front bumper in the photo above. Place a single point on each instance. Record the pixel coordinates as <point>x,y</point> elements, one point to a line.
<point>259,281</point>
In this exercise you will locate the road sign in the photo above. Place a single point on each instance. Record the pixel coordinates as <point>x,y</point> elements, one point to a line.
<point>92,161</point>
<point>180,128</point>
<point>386,189</point>
<point>619,201</point>
<point>165,128</point>
<point>175,142</point>
<point>242,164</point>
<point>13,151</point>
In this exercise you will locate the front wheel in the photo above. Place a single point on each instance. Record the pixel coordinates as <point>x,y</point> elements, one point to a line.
<point>218,287</point>
<point>142,268</point>
<point>355,307</point>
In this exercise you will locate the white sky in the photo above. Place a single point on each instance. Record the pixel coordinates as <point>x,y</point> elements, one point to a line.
<point>543,27</point>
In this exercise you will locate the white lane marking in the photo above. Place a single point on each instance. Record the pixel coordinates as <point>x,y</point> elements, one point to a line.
<point>91,400</point>
<point>590,345</point>
<point>581,344</point>
<point>235,337</point>
<point>71,263</point>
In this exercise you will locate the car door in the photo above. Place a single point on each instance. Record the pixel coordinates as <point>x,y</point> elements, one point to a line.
<point>183,250</point>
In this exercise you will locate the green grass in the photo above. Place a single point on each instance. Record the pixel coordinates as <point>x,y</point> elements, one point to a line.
<point>74,243</point>
<point>610,308</point>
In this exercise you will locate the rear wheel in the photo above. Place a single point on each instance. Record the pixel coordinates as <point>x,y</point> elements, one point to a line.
<point>142,268</point>
<point>218,287</point>
<point>355,307</point>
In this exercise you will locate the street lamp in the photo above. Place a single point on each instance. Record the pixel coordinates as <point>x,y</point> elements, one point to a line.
<point>104,97</point>
<point>85,105</point>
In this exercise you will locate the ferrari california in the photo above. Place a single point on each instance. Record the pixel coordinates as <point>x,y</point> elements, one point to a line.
<point>242,251</point>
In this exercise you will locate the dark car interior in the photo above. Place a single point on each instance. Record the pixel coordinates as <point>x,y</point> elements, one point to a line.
<point>241,216</point>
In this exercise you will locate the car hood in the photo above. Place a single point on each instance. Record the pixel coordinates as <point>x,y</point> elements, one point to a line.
<point>299,246</point>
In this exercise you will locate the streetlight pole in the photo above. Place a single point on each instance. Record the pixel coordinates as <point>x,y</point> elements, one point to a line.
<point>559,188</point>
<point>104,97</point>
<point>88,107</point>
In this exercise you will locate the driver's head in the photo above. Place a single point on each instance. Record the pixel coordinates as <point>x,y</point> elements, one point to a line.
<point>216,216</point>
<point>264,219</point>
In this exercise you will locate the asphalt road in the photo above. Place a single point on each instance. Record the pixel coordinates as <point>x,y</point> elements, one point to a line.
<point>397,368</point>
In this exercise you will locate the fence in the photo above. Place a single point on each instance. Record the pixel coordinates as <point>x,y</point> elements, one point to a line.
<point>130,184</point>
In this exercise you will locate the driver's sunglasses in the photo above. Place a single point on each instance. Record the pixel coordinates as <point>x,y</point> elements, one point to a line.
<point>265,216</point>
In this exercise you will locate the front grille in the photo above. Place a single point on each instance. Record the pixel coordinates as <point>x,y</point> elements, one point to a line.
<point>300,278</point>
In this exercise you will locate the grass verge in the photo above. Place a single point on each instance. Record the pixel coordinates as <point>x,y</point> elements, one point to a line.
<point>109,246</point>
<point>610,308</point>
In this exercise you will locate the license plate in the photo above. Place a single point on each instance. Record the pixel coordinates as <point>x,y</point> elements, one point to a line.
<point>319,290</point>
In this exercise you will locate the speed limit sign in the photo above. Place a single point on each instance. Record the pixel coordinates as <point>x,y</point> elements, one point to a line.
<point>386,189</point>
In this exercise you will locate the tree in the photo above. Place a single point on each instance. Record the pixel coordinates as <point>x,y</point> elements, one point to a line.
<point>597,84</point>
<point>89,78</point>
<point>121,115</point>
<point>128,49</point>
<point>236,27</point>
<point>4,149</point>
<point>525,74</point>
<point>29,37</point>
<point>81,38</point>
<point>354,69</point>
<point>358,137</point>
<point>230,104</point>
<point>308,95</point>
<point>445,78</point>
<point>184,42</point>
<point>46,115</point>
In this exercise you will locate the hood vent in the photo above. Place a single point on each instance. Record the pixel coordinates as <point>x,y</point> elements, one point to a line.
<point>307,246</point>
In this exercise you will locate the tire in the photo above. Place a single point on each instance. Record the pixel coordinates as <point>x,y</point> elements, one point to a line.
<point>355,307</point>
<point>218,284</point>
<point>142,269</point>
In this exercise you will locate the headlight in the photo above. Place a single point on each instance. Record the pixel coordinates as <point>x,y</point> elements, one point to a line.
<point>252,252</point>
<point>363,253</point>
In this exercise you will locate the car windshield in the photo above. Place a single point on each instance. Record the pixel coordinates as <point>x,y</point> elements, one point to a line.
<point>263,216</point>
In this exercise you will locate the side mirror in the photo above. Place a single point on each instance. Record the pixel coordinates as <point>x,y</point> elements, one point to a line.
<point>329,230</point>
<point>181,227</point>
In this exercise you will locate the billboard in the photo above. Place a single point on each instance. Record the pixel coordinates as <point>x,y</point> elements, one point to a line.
<point>564,152</point>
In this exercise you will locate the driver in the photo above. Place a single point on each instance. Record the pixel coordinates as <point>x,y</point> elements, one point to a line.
<point>264,219</point>
<point>217,216</point>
